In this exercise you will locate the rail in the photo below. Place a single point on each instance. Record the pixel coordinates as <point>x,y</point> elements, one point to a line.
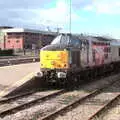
<point>14,61</point>
<point>9,110</point>
<point>75,103</point>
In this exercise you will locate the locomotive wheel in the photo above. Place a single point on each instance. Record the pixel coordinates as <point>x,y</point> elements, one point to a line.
<point>75,79</point>
<point>89,75</point>
<point>79,79</point>
<point>70,81</point>
<point>61,82</point>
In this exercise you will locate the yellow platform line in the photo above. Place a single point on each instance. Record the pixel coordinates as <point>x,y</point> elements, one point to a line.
<point>17,84</point>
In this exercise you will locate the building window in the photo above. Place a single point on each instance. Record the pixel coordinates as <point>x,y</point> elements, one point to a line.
<point>8,41</point>
<point>17,41</point>
<point>106,56</point>
<point>93,52</point>
<point>9,36</point>
<point>109,49</point>
<point>17,36</point>
<point>9,33</point>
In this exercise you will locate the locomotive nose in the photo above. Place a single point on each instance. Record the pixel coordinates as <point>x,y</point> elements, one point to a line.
<point>54,59</point>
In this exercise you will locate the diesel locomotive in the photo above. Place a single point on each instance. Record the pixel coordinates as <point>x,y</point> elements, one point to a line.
<point>70,57</point>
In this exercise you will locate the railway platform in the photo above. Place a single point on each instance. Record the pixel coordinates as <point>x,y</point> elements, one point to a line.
<point>14,76</point>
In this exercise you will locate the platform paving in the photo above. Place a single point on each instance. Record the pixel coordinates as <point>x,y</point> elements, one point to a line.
<point>16,74</point>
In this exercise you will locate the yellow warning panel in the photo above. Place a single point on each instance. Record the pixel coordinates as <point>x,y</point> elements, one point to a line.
<point>54,59</point>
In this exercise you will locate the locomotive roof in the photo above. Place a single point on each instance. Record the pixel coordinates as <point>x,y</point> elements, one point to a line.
<point>94,39</point>
<point>103,38</point>
<point>71,38</point>
<point>115,43</point>
<point>65,39</point>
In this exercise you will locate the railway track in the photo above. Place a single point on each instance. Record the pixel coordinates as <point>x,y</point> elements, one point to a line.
<point>8,107</point>
<point>20,102</point>
<point>104,107</point>
<point>111,111</point>
<point>13,61</point>
<point>14,57</point>
<point>80,101</point>
<point>10,98</point>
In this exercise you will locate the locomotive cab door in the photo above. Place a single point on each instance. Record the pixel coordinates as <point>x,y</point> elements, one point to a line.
<point>75,53</point>
<point>85,53</point>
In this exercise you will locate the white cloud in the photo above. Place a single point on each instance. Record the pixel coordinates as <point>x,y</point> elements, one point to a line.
<point>104,6</point>
<point>55,15</point>
<point>58,15</point>
<point>38,13</point>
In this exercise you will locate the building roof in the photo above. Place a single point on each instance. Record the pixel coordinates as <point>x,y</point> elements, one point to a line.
<point>12,30</point>
<point>5,27</point>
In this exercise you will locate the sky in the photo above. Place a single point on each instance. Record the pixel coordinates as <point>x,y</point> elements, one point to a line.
<point>99,17</point>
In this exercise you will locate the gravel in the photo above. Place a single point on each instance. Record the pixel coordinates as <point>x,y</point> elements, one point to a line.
<point>2,87</point>
<point>40,109</point>
<point>112,113</point>
<point>91,105</point>
<point>44,108</point>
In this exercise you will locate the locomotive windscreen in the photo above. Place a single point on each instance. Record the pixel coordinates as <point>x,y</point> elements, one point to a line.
<point>67,40</point>
<point>61,39</point>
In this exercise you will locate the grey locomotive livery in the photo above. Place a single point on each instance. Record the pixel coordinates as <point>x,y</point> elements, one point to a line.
<point>74,56</point>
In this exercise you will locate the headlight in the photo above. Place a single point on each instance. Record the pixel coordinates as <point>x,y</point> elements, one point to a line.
<point>52,62</point>
<point>61,75</point>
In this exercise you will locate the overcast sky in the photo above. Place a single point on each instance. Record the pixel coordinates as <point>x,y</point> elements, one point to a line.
<point>88,16</point>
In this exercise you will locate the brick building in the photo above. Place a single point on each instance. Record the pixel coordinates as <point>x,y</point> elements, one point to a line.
<point>19,38</point>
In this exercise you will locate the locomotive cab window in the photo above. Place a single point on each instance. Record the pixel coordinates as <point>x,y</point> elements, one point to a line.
<point>56,40</point>
<point>75,42</point>
<point>61,39</point>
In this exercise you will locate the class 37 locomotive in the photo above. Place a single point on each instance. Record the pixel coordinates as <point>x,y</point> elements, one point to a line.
<point>73,53</point>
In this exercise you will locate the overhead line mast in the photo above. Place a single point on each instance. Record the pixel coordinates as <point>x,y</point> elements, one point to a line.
<point>70,5</point>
